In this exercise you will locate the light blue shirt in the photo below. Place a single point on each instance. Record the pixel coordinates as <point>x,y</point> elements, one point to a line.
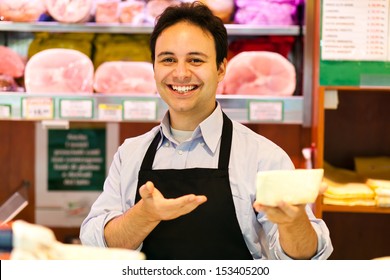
<point>250,153</point>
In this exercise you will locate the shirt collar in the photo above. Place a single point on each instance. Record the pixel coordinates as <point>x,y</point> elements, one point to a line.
<point>210,129</point>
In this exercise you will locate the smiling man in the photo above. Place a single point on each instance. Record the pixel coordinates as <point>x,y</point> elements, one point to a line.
<point>187,73</point>
<point>187,188</point>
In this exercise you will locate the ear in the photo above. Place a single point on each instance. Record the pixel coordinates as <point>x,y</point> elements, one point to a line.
<point>222,70</point>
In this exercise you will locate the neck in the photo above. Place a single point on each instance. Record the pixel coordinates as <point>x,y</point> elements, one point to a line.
<point>188,120</point>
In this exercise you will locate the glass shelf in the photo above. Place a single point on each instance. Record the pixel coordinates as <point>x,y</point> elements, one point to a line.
<point>232,29</point>
<point>236,107</point>
<point>355,209</point>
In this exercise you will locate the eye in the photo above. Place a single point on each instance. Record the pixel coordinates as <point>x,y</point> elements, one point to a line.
<point>167,60</point>
<point>196,61</point>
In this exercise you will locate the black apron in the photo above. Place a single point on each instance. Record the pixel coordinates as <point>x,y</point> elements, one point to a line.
<point>211,231</point>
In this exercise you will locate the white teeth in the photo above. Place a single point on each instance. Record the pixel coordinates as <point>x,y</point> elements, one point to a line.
<point>183,89</point>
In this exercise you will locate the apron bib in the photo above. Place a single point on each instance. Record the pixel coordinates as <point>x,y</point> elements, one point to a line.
<point>212,230</point>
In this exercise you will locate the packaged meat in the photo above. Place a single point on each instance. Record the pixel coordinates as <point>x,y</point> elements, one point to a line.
<point>270,43</point>
<point>59,71</point>
<point>82,42</point>
<point>11,63</point>
<point>221,8</point>
<point>121,47</point>
<point>21,10</point>
<point>107,11</point>
<point>125,77</point>
<point>155,7</point>
<point>70,11</point>
<point>7,83</point>
<point>259,73</point>
<point>266,12</point>
<point>132,11</point>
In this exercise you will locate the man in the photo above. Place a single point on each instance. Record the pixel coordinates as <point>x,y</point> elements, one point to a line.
<point>186,189</point>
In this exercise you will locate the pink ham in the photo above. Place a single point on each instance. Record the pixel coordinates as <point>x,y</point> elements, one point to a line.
<point>59,71</point>
<point>11,63</point>
<point>259,73</point>
<point>266,12</point>
<point>70,11</point>
<point>7,83</point>
<point>107,11</point>
<point>132,12</point>
<point>155,7</point>
<point>21,10</point>
<point>125,77</point>
<point>221,8</point>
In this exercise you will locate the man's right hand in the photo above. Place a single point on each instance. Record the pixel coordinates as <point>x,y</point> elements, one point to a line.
<point>158,208</point>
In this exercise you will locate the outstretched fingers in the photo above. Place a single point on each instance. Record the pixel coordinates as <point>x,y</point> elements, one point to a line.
<point>161,208</point>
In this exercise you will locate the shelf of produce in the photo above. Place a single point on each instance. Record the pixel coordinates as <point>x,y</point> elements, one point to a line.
<point>91,27</point>
<point>355,209</point>
<point>242,108</point>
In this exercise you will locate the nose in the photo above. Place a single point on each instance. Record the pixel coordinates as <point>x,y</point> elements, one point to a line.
<point>181,71</point>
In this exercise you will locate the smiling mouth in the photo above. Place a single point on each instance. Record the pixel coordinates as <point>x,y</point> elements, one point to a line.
<point>182,89</point>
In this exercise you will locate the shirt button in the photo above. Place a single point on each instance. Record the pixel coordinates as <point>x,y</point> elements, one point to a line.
<point>202,144</point>
<point>180,152</point>
<point>167,144</point>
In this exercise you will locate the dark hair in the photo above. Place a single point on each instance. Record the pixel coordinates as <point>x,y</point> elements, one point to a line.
<point>198,14</point>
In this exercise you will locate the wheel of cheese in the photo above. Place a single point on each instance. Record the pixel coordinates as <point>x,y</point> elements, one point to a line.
<point>134,77</point>
<point>259,73</point>
<point>59,71</point>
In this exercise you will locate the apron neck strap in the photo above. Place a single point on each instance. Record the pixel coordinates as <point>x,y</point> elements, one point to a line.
<point>224,153</point>
<point>226,143</point>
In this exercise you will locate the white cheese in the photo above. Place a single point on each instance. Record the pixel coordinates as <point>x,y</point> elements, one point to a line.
<point>298,186</point>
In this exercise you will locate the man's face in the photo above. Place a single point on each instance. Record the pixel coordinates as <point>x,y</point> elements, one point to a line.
<point>186,72</point>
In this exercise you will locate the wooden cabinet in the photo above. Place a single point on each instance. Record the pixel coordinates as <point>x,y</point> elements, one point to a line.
<point>358,127</point>
<point>17,153</point>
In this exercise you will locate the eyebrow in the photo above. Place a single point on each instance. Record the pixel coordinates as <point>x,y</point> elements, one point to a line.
<point>191,53</point>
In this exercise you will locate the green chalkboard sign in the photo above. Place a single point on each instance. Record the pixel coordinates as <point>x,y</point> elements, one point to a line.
<point>77,159</point>
<point>354,38</point>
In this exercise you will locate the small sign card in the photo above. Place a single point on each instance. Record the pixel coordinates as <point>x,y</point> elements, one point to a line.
<point>76,108</point>
<point>37,108</point>
<point>110,112</point>
<point>5,111</point>
<point>265,111</point>
<point>140,110</point>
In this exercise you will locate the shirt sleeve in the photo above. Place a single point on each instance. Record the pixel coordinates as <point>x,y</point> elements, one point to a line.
<point>324,248</point>
<point>92,228</point>
<point>119,189</point>
<point>270,230</point>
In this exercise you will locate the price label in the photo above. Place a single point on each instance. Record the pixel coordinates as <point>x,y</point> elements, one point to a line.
<point>5,111</point>
<point>110,112</point>
<point>76,108</point>
<point>37,108</point>
<point>140,110</point>
<point>265,111</point>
